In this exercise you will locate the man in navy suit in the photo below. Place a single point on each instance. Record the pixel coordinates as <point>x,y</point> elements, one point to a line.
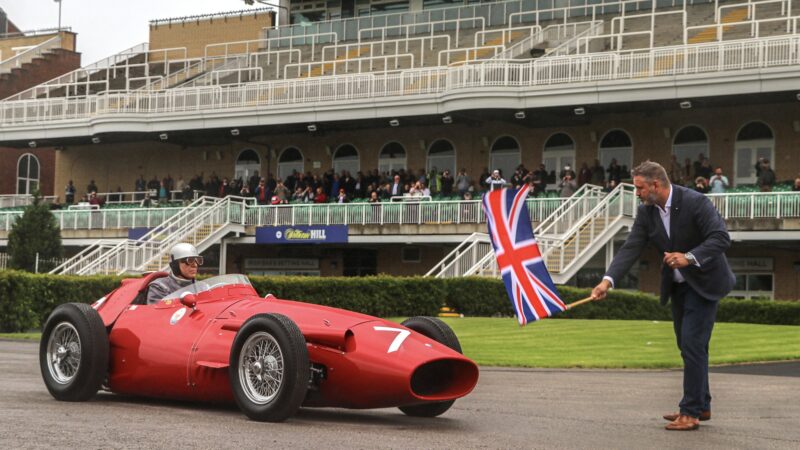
<point>686,228</point>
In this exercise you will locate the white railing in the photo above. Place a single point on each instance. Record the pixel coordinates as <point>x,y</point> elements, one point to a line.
<point>11,200</point>
<point>685,59</point>
<point>785,7</point>
<point>428,28</point>
<point>570,45</point>
<point>465,256</point>
<point>755,27</point>
<point>570,210</point>
<point>358,65</point>
<point>240,48</point>
<point>207,214</point>
<point>383,46</point>
<point>465,54</point>
<point>29,54</point>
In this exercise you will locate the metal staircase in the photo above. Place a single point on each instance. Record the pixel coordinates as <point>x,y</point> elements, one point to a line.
<point>202,224</point>
<point>568,238</point>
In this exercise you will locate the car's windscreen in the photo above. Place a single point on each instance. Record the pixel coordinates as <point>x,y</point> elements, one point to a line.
<point>211,283</point>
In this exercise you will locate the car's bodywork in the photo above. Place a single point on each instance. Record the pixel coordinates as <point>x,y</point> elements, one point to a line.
<point>181,348</point>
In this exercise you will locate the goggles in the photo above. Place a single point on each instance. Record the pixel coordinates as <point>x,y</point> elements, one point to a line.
<point>192,261</point>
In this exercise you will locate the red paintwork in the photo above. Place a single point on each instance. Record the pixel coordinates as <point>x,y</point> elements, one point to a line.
<point>150,356</point>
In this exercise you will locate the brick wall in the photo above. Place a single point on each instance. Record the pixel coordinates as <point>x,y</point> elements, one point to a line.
<point>196,34</point>
<point>646,130</point>
<point>9,158</point>
<point>8,44</point>
<point>38,71</point>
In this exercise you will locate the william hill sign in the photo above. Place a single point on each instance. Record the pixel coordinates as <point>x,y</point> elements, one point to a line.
<point>315,234</point>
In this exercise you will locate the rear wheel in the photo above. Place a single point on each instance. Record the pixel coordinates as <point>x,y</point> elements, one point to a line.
<point>269,368</point>
<point>443,334</point>
<point>73,352</point>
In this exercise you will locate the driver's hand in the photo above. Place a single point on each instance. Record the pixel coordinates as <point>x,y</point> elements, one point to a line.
<point>601,290</point>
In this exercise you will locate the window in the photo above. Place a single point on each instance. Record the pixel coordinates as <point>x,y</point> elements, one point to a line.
<point>559,151</point>
<point>505,156</point>
<point>392,158</point>
<point>27,174</point>
<point>346,158</point>
<point>411,255</point>
<point>616,144</point>
<point>755,140</point>
<point>689,143</point>
<point>441,156</point>
<point>359,262</point>
<point>291,160</point>
<point>247,164</point>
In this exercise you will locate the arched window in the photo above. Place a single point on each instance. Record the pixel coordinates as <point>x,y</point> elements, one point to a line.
<point>559,151</point>
<point>505,156</point>
<point>346,158</point>
<point>247,164</point>
<point>290,160</point>
<point>689,143</point>
<point>755,140</point>
<point>27,174</point>
<point>441,155</point>
<point>392,158</point>
<point>616,144</point>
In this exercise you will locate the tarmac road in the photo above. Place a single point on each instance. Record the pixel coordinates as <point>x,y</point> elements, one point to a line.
<point>754,407</point>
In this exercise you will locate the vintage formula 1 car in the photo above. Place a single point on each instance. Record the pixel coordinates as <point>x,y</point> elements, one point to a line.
<point>219,341</point>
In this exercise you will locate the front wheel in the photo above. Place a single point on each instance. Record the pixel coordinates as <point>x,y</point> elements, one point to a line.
<point>73,352</point>
<point>269,368</point>
<point>443,334</point>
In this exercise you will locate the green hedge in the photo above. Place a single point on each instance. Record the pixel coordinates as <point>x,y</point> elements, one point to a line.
<point>26,299</point>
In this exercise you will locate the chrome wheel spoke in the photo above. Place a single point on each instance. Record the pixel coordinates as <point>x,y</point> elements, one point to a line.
<point>261,368</point>
<point>64,353</point>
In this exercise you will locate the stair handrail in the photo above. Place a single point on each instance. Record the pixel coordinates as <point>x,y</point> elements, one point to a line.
<point>69,263</point>
<point>193,207</point>
<point>472,238</point>
<point>551,220</point>
<point>29,54</point>
<point>187,228</point>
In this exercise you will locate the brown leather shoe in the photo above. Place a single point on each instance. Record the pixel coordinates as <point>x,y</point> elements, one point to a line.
<point>684,423</point>
<point>705,415</point>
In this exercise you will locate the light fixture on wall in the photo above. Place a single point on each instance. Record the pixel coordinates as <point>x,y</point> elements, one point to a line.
<point>422,145</point>
<point>796,126</point>
<point>205,155</point>
<point>32,144</point>
<point>485,141</point>
<point>394,123</point>
<point>95,140</point>
<point>686,104</point>
<point>447,119</point>
<point>593,136</point>
<point>328,150</point>
<point>798,96</point>
<point>218,155</point>
<point>163,136</point>
<point>667,132</point>
<point>579,111</point>
<point>312,127</point>
<point>519,115</point>
<point>235,132</point>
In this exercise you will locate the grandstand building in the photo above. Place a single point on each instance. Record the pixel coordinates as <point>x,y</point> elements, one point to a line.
<point>28,58</point>
<point>426,87</point>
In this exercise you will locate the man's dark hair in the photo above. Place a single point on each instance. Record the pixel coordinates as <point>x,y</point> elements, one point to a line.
<point>650,171</point>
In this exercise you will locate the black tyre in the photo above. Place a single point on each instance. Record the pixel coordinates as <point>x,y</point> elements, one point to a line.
<point>73,352</point>
<point>443,334</point>
<point>269,368</point>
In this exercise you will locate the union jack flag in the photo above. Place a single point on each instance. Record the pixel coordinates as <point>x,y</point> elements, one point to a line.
<point>530,288</point>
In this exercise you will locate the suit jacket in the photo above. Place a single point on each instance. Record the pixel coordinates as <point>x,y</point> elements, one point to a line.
<point>696,227</point>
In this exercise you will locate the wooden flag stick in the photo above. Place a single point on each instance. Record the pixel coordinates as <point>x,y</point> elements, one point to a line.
<point>580,302</point>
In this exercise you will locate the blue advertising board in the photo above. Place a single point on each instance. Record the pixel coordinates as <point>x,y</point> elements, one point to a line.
<point>302,234</point>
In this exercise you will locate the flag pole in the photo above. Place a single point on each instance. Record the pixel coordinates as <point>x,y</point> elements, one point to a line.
<point>580,302</point>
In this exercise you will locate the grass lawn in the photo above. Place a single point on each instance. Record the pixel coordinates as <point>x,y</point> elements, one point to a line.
<point>614,343</point>
<point>605,343</point>
<point>23,336</point>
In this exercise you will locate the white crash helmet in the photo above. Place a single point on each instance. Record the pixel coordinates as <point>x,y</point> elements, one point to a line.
<point>181,251</point>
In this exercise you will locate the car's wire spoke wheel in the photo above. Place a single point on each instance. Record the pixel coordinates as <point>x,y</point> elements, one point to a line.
<point>261,368</point>
<point>73,352</point>
<point>269,368</point>
<point>64,353</point>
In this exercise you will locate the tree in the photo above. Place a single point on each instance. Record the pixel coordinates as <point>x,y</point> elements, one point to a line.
<point>35,232</point>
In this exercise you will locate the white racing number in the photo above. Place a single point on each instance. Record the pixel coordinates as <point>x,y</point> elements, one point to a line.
<point>398,340</point>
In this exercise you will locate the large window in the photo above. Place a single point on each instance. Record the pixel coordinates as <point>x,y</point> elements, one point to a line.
<point>27,174</point>
<point>754,278</point>
<point>505,156</point>
<point>346,158</point>
<point>689,143</point>
<point>755,140</point>
<point>291,160</point>
<point>247,164</point>
<point>392,158</point>
<point>616,144</point>
<point>559,151</point>
<point>441,156</point>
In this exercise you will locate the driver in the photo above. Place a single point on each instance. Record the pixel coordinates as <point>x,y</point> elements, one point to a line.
<point>183,263</point>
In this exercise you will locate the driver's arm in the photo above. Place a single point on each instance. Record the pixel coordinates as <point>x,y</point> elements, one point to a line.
<point>155,292</point>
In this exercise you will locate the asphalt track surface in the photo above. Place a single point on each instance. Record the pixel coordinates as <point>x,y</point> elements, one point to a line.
<point>755,407</point>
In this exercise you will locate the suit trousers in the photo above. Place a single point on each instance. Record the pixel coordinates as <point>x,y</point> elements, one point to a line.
<point>693,319</point>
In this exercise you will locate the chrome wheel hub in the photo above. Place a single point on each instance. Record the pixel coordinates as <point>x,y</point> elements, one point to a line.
<point>261,368</point>
<point>63,353</point>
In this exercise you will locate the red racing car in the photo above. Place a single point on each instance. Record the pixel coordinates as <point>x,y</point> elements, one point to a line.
<point>219,341</point>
